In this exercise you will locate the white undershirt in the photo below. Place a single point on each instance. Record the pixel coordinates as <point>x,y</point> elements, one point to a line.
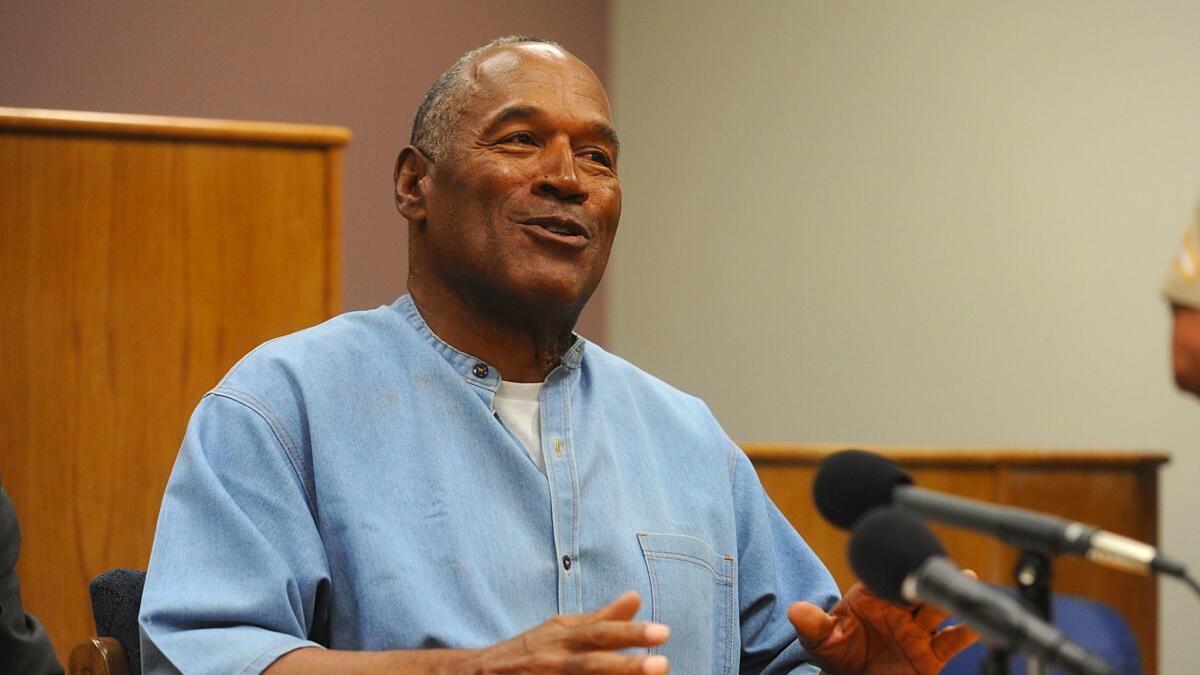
<point>517,405</point>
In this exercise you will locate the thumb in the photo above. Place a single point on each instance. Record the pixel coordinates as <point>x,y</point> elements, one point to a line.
<point>812,624</point>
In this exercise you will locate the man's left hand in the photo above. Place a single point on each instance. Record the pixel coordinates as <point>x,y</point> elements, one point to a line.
<point>866,634</point>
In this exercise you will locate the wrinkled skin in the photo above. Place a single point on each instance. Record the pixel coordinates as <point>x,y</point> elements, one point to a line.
<point>866,634</point>
<point>535,152</point>
<point>581,643</point>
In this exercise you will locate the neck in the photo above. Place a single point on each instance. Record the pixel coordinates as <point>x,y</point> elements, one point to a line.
<point>524,345</point>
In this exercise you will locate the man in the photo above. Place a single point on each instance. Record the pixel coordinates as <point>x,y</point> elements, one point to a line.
<point>458,483</point>
<point>1182,290</point>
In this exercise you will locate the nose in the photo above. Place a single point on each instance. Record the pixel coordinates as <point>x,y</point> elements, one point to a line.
<point>557,177</point>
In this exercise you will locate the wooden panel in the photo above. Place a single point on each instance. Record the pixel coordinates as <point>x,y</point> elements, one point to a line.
<point>790,486</point>
<point>134,271</point>
<point>1115,490</point>
<point>61,122</point>
<point>1121,501</point>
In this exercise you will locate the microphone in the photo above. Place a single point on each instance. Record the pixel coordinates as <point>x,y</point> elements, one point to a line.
<point>852,482</point>
<point>898,558</point>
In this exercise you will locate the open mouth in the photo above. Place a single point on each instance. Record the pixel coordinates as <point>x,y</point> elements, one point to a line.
<point>565,230</point>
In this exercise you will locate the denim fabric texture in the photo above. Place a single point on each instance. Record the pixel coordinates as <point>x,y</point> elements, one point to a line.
<point>350,486</point>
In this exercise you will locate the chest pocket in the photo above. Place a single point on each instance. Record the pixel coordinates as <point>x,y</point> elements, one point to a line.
<point>693,590</point>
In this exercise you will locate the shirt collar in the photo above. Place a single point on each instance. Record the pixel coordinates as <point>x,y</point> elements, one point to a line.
<point>474,369</point>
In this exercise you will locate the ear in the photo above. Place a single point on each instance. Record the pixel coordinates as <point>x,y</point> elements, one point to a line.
<point>410,176</point>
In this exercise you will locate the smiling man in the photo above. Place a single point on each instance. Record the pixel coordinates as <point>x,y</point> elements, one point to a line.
<point>457,483</point>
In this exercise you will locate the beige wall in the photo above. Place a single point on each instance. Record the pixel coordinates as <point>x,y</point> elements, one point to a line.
<point>934,223</point>
<point>364,64</point>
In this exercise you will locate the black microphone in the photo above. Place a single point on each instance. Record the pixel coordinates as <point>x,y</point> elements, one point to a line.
<point>852,482</point>
<point>897,557</point>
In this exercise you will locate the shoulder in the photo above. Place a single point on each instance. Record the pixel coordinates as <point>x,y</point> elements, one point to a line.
<point>611,372</point>
<point>628,391</point>
<point>316,371</point>
<point>338,350</point>
<point>342,337</point>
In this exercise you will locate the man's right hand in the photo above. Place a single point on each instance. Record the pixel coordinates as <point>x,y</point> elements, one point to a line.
<point>581,643</point>
<point>573,643</point>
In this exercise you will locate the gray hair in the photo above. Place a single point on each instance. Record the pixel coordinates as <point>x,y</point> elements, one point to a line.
<point>442,109</point>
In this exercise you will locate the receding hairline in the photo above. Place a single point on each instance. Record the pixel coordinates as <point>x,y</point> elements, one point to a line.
<point>441,111</point>
<point>470,74</point>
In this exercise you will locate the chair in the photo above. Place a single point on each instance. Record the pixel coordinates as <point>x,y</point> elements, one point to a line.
<point>1092,625</point>
<point>116,648</point>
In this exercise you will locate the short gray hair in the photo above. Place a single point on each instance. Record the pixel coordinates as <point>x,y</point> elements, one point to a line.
<point>442,109</point>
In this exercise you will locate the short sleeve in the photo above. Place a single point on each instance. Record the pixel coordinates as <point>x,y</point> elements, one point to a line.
<point>775,568</point>
<point>238,565</point>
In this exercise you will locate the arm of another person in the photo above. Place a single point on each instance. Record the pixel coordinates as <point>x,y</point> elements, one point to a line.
<point>1185,347</point>
<point>24,645</point>
<point>238,565</point>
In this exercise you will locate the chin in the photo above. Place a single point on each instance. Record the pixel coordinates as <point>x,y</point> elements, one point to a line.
<point>548,294</point>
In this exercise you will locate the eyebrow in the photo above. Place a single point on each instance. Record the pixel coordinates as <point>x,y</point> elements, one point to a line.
<point>524,112</point>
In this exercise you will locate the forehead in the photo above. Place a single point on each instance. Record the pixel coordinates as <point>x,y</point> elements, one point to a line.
<point>536,73</point>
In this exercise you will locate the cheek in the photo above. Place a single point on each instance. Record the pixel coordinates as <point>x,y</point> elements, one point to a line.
<point>608,206</point>
<point>501,178</point>
<point>498,188</point>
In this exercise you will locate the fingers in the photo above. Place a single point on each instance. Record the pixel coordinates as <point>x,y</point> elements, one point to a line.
<point>952,641</point>
<point>593,663</point>
<point>622,609</point>
<point>611,628</point>
<point>613,635</point>
<point>812,624</point>
<point>583,643</point>
<point>615,664</point>
<point>928,617</point>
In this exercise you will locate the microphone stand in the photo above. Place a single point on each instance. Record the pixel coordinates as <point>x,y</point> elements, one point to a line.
<point>1032,575</point>
<point>996,662</point>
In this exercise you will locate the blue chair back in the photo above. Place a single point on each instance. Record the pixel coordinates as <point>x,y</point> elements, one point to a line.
<point>116,600</point>
<point>1094,626</point>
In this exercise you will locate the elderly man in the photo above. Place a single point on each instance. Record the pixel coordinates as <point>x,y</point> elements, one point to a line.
<point>458,483</point>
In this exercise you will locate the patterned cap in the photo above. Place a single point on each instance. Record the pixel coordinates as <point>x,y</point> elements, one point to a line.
<point>1182,285</point>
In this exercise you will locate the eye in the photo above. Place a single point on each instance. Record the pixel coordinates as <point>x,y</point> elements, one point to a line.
<point>598,156</point>
<point>521,138</point>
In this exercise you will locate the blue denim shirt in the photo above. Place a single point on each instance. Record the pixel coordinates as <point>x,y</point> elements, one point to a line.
<point>351,486</point>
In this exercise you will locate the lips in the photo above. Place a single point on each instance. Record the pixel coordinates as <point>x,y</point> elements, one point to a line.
<point>557,229</point>
<point>560,225</point>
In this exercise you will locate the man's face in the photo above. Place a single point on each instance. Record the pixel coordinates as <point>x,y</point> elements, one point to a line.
<point>523,208</point>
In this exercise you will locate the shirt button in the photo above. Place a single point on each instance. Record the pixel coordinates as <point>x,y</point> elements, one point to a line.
<point>566,562</point>
<point>480,370</point>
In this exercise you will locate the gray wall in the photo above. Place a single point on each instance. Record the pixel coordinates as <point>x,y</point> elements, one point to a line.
<point>364,64</point>
<point>915,223</point>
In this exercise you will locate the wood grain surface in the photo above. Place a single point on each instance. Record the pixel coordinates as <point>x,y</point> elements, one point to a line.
<point>60,122</point>
<point>135,269</point>
<point>1116,490</point>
